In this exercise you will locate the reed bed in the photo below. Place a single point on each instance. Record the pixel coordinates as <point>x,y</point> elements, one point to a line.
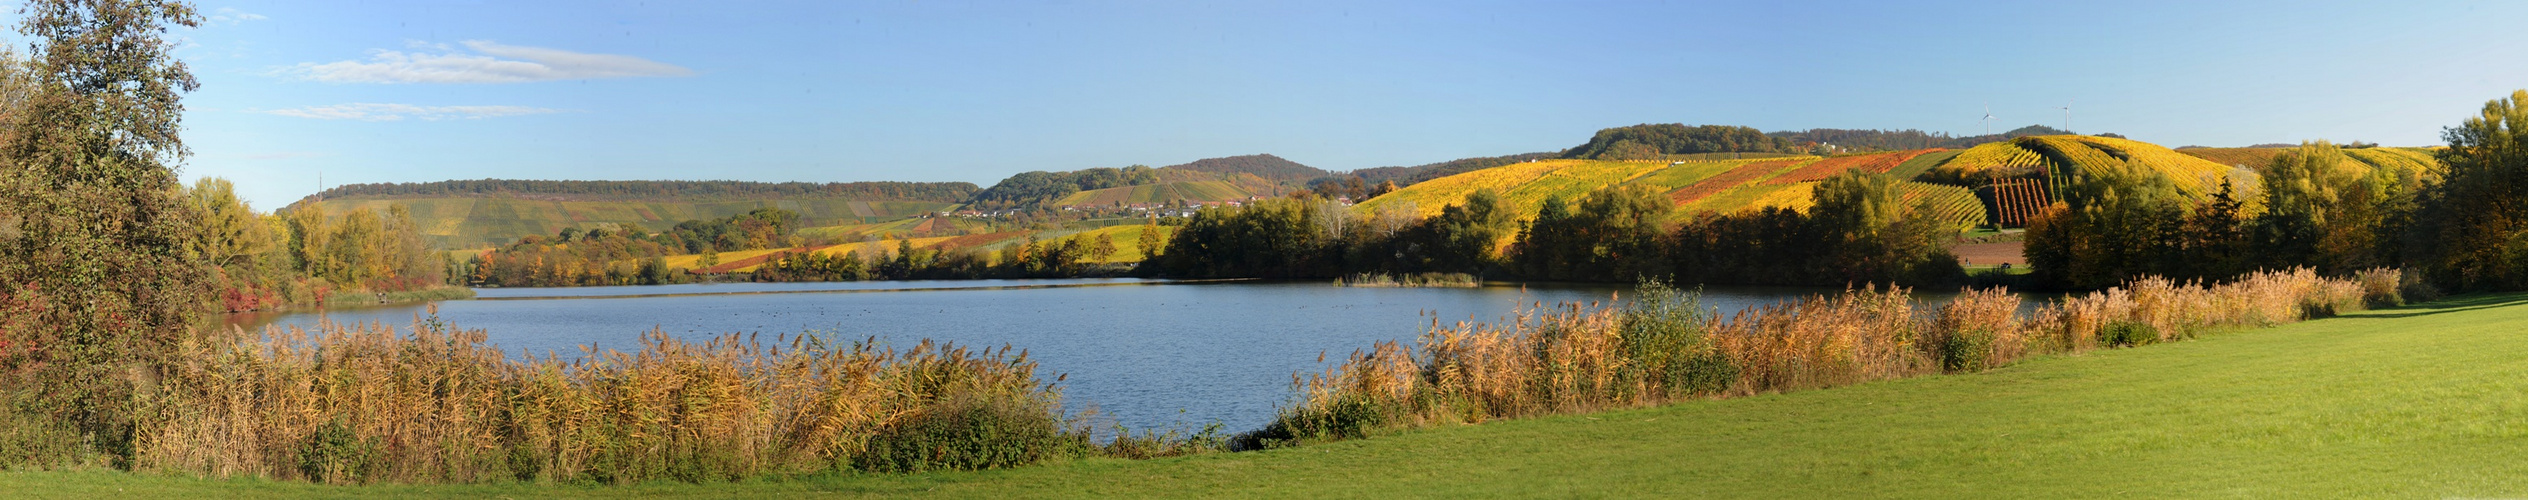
<point>362,403</point>
<point>1662,346</point>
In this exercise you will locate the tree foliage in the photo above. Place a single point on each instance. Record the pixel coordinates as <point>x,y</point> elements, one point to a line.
<point>1650,141</point>
<point>2477,232</point>
<point>95,235</point>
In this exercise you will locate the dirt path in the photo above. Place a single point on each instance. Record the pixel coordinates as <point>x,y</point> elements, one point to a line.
<point>1989,254</point>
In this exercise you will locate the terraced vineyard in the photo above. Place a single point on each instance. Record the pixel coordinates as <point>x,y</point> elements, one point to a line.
<point>2252,158</point>
<point>2057,155</point>
<point>1949,203</point>
<point>2401,161</point>
<point>1735,178</point>
<point>1428,197</point>
<point>1873,163</point>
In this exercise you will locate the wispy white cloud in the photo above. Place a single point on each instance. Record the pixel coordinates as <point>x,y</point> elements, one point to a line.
<point>230,16</point>
<point>382,112</point>
<point>284,155</point>
<point>484,62</point>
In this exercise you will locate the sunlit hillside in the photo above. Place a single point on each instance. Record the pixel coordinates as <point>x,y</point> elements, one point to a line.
<point>477,221</point>
<point>1695,186</point>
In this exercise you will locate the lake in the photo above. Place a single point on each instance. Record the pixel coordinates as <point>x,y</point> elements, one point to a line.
<point>1145,354</point>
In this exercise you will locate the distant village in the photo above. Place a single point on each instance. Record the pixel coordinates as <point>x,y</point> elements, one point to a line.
<point>1181,208</point>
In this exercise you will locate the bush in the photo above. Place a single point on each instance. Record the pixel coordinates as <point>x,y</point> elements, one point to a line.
<point>971,432</point>
<point>336,454</point>
<point>2127,334</point>
<point>1966,351</point>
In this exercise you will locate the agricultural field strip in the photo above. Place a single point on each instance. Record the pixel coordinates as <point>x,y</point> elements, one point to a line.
<point>1429,197</point>
<point>1571,183</point>
<point>1747,176</point>
<point>1879,163</point>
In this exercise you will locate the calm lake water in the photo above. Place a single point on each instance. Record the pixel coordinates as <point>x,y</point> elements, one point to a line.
<point>1145,354</point>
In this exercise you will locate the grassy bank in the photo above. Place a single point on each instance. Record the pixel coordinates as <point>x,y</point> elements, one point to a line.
<point>2413,401</point>
<point>432,294</point>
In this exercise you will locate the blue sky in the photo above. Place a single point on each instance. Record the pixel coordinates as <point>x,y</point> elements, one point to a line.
<point>975,91</point>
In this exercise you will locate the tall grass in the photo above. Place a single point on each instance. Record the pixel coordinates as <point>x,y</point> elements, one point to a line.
<point>1663,346</point>
<point>362,403</point>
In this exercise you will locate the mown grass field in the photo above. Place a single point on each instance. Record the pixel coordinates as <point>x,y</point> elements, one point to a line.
<point>470,222</point>
<point>2422,401</point>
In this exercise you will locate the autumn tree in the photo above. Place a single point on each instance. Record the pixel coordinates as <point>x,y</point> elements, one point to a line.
<point>96,232</point>
<point>2477,217</point>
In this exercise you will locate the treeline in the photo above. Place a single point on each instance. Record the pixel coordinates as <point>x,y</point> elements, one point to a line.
<point>1651,141</point>
<point>1350,188</point>
<point>2455,228</point>
<point>1034,189</point>
<point>1858,232</point>
<point>1407,176</point>
<point>303,256</point>
<point>1267,166</point>
<point>870,191</point>
<point>1908,139</point>
<point>1071,257</point>
<point>628,254</point>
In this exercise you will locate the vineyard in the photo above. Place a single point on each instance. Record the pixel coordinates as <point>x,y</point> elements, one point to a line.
<point>1572,182</point>
<point>2015,201</point>
<point>1736,177</point>
<point>1428,197</point>
<point>2003,158</point>
<point>1685,174</point>
<point>1948,203</point>
<point>2006,182</point>
<point>1877,163</point>
<point>2195,176</point>
<point>2065,154</point>
<point>2252,158</point>
<point>2401,162</point>
<point>1800,197</point>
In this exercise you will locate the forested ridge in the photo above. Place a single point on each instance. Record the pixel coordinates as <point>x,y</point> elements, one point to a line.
<point>1262,165</point>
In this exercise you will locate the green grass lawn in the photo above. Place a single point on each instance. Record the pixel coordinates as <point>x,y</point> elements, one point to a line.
<point>2428,401</point>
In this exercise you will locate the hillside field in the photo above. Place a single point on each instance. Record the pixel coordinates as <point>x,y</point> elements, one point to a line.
<point>1956,183</point>
<point>479,221</point>
<point>2420,401</point>
<point>1158,193</point>
<point>1715,185</point>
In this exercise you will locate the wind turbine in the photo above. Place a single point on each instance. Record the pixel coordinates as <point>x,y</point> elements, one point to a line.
<point>1988,118</point>
<point>2067,115</point>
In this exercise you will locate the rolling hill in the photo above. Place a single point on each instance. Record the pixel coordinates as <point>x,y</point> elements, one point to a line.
<point>473,214</point>
<point>1719,185</point>
<point>2005,181</point>
<point>1268,167</point>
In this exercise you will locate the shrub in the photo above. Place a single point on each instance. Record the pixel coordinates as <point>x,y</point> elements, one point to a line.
<point>970,432</point>
<point>2128,334</point>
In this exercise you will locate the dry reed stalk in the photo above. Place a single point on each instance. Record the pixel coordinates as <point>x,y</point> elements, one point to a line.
<point>1573,358</point>
<point>360,403</point>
